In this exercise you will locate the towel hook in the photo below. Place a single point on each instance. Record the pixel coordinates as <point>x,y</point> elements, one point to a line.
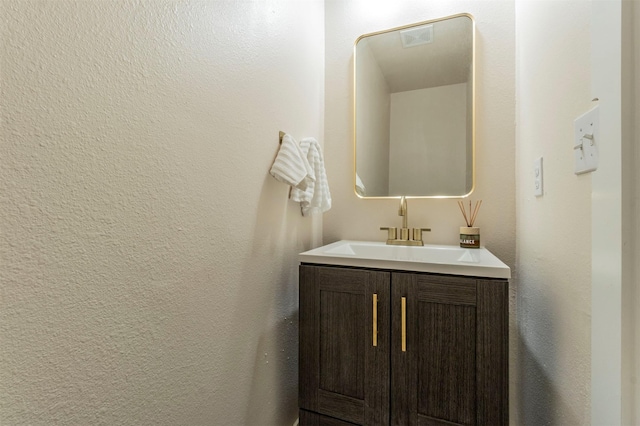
<point>281,134</point>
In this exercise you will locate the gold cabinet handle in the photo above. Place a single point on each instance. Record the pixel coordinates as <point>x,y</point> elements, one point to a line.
<point>375,319</point>
<point>404,324</point>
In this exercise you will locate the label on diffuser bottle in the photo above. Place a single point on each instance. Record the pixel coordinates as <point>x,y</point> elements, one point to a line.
<point>470,237</point>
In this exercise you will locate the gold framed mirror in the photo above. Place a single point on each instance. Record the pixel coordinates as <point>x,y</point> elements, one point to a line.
<point>414,110</point>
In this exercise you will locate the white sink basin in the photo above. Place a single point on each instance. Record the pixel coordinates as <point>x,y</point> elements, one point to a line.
<point>440,259</point>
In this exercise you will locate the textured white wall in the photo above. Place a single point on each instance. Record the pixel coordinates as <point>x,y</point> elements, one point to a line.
<point>149,268</point>
<point>553,231</point>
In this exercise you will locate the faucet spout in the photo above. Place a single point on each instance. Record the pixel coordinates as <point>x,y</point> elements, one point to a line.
<point>402,211</point>
<point>404,236</point>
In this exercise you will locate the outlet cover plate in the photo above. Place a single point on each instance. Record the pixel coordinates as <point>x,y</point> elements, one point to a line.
<point>537,176</point>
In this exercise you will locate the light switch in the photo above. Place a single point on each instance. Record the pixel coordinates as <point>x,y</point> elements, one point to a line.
<point>585,141</point>
<point>537,178</point>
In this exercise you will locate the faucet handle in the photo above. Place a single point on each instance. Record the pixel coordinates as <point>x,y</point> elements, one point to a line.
<point>392,232</point>
<point>417,233</point>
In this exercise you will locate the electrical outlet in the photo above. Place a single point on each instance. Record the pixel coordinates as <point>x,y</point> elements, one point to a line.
<point>537,180</point>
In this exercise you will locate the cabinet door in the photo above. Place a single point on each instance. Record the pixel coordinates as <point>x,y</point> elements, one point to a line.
<point>344,371</point>
<point>452,369</point>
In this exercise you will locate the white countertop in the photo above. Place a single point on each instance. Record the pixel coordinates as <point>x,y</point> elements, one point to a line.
<point>439,259</point>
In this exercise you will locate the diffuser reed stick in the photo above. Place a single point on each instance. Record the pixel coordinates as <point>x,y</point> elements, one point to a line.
<point>473,213</point>
<point>463,213</point>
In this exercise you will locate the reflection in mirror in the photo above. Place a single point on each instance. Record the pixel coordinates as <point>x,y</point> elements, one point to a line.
<point>414,110</point>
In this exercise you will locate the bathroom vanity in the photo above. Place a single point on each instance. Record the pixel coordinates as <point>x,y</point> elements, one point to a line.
<point>403,336</point>
<point>404,333</point>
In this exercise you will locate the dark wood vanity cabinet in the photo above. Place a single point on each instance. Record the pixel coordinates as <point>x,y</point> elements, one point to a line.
<point>402,348</point>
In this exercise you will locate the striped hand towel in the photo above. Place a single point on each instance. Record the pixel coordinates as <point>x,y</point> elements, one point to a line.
<point>291,165</point>
<point>317,197</point>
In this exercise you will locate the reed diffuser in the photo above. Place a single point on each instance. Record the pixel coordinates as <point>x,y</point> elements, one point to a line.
<point>470,235</point>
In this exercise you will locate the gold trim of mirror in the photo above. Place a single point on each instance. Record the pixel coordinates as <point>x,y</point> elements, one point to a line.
<point>470,96</point>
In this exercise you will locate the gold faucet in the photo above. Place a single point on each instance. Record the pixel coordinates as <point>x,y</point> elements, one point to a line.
<point>408,236</point>
<point>402,211</point>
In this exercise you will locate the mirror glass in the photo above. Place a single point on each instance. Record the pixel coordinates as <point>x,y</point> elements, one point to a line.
<point>414,110</point>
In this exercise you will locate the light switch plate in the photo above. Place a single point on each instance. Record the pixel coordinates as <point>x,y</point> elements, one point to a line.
<point>586,141</point>
<point>537,178</point>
